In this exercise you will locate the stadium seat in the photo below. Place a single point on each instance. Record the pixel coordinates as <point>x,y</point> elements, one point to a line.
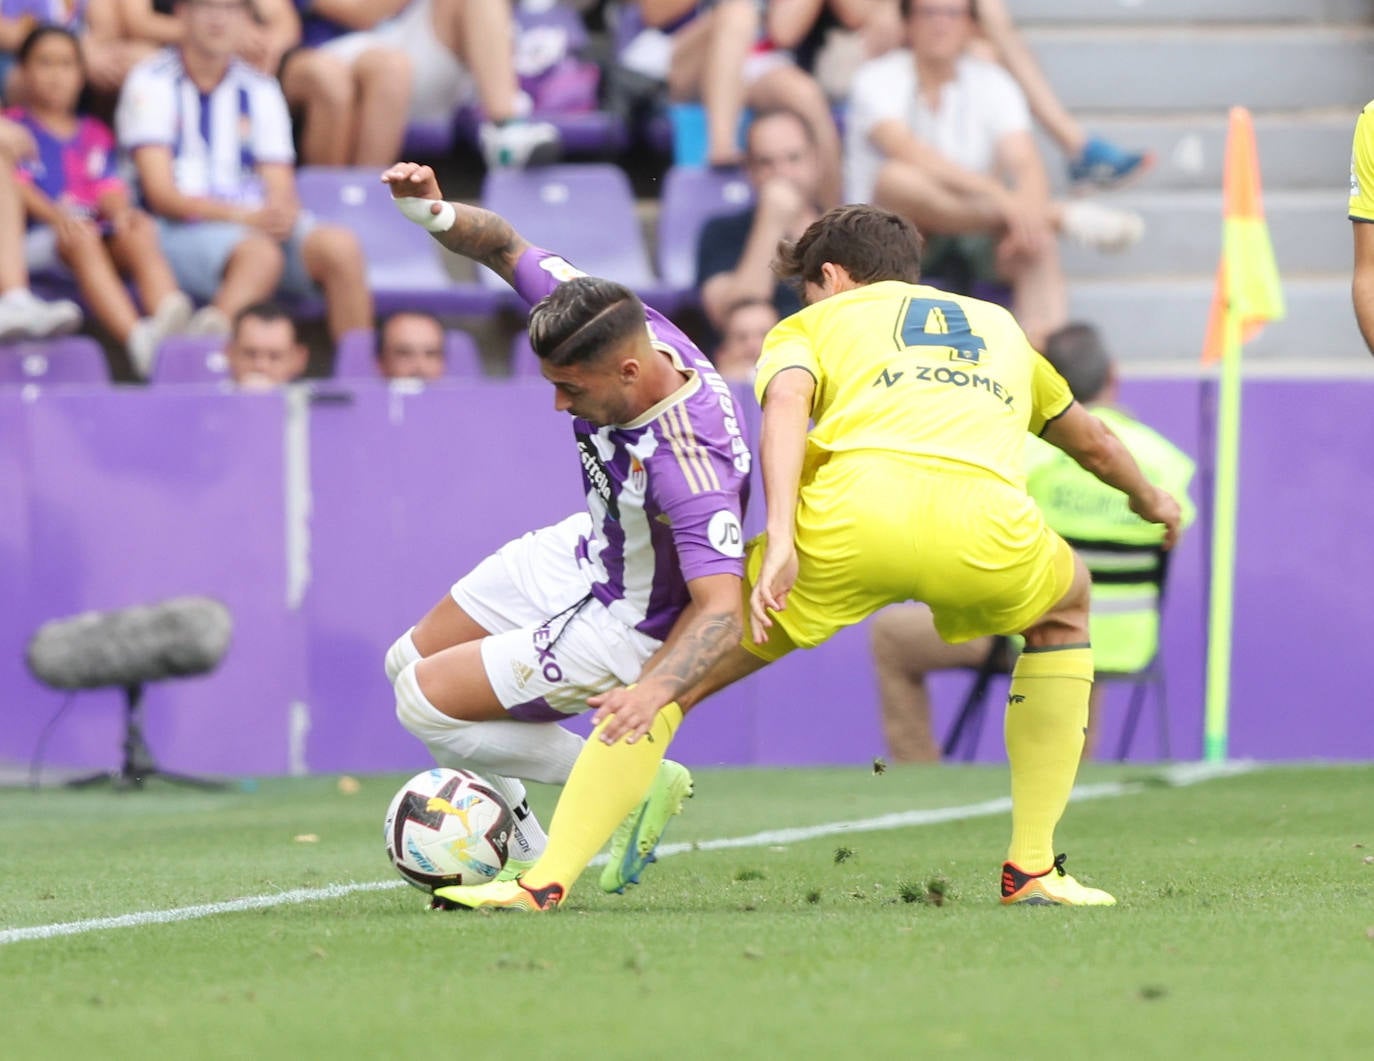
<point>404,267</point>
<point>73,359</point>
<point>584,212</point>
<point>191,359</point>
<point>691,197</point>
<point>356,358</point>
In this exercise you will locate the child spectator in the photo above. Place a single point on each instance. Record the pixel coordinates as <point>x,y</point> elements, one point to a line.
<point>79,210</point>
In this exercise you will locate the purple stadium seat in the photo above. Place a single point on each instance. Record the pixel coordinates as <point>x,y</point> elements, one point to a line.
<point>585,212</point>
<point>691,197</point>
<point>72,359</point>
<point>191,359</point>
<point>524,362</point>
<point>404,268</point>
<point>356,357</point>
<point>429,138</point>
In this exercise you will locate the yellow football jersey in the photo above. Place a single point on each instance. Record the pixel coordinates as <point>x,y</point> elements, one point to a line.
<point>1362,167</point>
<point>919,371</point>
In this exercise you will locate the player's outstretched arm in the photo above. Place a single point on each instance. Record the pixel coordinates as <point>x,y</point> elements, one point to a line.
<point>1092,444</point>
<point>474,233</point>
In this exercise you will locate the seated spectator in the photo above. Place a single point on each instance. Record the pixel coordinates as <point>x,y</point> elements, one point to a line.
<point>97,26</point>
<point>263,350</point>
<point>720,54</point>
<point>349,87</point>
<point>735,251</point>
<point>460,52</point>
<point>741,341</point>
<point>1092,160</point>
<point>905,645</point>
<point>944,138</point>
<point>410,345</point>
<point>79,210</point>
<point>23,315</point>
<point>210,142</point>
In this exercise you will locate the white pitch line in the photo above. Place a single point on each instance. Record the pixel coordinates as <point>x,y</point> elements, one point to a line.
<point>1175,776</point>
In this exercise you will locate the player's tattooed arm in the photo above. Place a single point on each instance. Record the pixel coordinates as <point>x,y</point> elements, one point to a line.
<point>704,633</point>
<point>484,237</point>
<point>467,230</point>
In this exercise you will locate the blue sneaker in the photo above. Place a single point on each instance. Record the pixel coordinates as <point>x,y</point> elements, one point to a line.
<point>1104,165</point>
<point>632,846</point>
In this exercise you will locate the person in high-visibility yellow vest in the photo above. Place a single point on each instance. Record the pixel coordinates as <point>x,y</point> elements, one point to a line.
<point>1124,623</point>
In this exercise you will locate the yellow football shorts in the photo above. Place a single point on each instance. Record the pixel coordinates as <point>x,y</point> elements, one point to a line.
<point>875,528</point>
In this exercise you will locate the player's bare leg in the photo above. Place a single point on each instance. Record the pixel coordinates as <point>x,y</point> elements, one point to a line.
<point>1047,714</point>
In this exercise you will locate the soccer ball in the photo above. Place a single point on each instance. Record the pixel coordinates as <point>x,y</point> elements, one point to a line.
<point>447,827</point>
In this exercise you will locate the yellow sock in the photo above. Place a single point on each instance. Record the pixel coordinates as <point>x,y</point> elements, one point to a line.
<point>1047,711</point>
<point>607,782</point>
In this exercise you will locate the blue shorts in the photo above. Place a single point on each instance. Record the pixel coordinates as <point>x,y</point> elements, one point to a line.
<point>197,251</point>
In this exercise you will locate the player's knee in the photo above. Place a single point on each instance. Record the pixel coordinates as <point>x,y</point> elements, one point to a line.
<point>400,655</point>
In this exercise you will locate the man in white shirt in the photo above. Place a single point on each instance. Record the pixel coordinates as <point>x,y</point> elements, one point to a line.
<point>209,139</point>
<point>944,138</point>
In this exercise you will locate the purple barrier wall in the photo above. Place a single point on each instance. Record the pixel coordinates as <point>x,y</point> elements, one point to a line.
<point>111,498</point>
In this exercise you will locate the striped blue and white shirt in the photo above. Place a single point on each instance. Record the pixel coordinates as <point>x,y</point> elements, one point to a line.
<point>218,138</point>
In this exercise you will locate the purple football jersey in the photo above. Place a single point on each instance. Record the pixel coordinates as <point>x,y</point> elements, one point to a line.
<point>667,491</point>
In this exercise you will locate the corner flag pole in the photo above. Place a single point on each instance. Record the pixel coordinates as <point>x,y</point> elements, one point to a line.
<point>1247,295</point>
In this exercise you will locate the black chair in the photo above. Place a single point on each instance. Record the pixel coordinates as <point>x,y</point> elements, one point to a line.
<point>1142,567</point>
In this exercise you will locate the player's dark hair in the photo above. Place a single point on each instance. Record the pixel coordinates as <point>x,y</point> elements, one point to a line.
<point>871,244</point>
<point>40,33</point>
<point>385,323</point>
<point>1077,351</point>
<point>905,6</point>
<point>267,312</point>
<point>778,112</point>
<point>581,318</point>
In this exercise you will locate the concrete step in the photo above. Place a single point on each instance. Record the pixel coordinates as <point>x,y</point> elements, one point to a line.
<point>1310,231</point>
<point>1166,320</point>
<point>1154,12</point>
<point>1307,150</point>
<point>1156,70</point>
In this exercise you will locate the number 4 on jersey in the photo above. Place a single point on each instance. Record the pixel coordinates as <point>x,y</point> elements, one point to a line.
<point>937,322</point>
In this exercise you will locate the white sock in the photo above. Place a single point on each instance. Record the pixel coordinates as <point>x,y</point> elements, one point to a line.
<point>502,751</point>
<point>401,653</point>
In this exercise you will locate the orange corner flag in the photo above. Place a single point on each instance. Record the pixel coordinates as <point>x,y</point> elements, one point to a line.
<point>1247,290</point>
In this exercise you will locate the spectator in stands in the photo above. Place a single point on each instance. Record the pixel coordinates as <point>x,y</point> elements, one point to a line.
<point>263,350</point>
<point>735,252</point>
<point>410,345</point>
<point>1092,160</point>
<point>721,54</point>
<point>79,210</point>
<point>210,142</point>
<point>23,315</point>
<point>458,51</point>
<point>349,87</point>
<point>944,138</point>
<point>1124,631</point>
<point>741,342</point>
<point>97,24</point>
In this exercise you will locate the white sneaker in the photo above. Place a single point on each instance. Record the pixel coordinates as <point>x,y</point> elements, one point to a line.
<point>208,320</point>
<point>516,144</point>
<point>173,316</point>
<point>36,319</point>
<point>1103,228</point>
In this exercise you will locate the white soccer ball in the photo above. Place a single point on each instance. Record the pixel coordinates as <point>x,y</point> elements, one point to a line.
<point>447,827</point>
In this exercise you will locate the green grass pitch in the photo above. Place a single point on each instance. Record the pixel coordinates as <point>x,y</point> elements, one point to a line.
<point>1245,928</point>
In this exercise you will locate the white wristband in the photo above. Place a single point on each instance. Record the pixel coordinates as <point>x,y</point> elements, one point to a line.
<point>418,210</point>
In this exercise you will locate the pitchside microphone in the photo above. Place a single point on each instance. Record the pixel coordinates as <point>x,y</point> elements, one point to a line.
<point>146,643</point>
<point>128,648</point>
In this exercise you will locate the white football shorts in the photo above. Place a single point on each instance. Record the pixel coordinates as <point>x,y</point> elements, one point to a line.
<point>552,645</point>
